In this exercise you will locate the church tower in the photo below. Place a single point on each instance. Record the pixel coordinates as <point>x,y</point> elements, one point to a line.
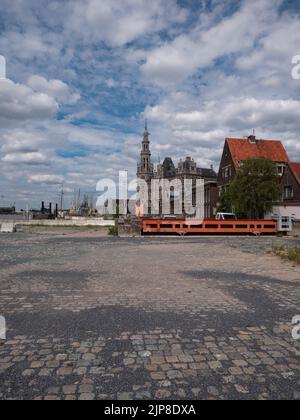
<point>145,168</point>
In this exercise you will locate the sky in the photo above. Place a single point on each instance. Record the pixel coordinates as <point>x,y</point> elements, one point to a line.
<point>82,76</point>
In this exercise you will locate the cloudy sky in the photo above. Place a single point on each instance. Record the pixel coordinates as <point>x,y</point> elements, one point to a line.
<point>83,74</point>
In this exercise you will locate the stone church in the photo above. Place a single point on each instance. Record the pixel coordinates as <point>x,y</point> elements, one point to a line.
<point>186,169</point>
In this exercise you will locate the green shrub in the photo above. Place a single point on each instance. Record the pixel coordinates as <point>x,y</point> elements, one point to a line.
<point>291,254</point>
<point>113,231</point>
<point>294,255</point>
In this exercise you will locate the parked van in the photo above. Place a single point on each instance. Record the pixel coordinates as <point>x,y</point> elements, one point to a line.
<point>226,216</point>
<point>169,217</point>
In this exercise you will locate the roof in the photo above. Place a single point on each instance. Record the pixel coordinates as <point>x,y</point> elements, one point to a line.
<point>295,167</point>
<point>242,149</point>
<point>169,169</point>
<point>207,173</point>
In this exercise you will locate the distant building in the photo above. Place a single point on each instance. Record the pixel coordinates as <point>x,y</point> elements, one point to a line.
<point>238,150</point>
<point>7,211</point>
<point>186,169</point>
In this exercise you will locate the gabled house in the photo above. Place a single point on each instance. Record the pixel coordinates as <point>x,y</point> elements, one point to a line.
<point>238,150</point>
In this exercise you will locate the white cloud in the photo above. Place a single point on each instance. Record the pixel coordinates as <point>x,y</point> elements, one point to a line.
<point>119,22</point>
<point>239,114</point>
<point>174,61</point>
<point>20,141</point>
<point>31,158</point>
<point>20,102</point>
<point>39,100</point>
<point>45,179</point>
<point>28,44</point>
<point>56,89</point>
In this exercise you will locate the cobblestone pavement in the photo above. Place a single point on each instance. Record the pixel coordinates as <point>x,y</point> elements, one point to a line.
<point>147,318</point>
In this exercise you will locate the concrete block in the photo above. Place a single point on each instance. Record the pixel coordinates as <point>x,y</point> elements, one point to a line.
<point>8,228</point>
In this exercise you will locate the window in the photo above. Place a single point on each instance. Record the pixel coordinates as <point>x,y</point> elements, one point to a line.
<point>288,192</point>
<point>227,172</point>
<point>281,168</point>
<point>207,196</point>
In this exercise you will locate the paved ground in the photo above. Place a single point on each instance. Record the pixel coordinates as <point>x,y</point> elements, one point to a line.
<point>144,318</point>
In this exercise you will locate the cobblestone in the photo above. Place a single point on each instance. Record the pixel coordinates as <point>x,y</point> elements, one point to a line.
<point>147,318</point>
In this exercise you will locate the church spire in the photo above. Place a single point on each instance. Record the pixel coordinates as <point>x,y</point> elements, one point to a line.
<point>146,132</point>
<point>145,167</point>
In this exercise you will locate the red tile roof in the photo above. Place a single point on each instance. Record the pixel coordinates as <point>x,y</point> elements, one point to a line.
<point>296,170</point>
<point>242,149</point>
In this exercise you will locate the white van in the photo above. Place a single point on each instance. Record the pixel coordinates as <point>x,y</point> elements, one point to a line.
<point>226,216</point>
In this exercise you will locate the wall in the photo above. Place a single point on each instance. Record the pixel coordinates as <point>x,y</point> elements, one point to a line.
<point>211,199</point>
<point>285,211</point>
<point>57,223</point>
<point>226,161</point>
<point>12,217</point>
<point>290,180</point>
<point>129,226</point>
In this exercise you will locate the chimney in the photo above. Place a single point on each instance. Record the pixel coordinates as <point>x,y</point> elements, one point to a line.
<point>43,207</point>
<point>50,208</point>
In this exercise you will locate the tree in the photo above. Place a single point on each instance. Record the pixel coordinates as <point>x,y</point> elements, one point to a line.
<point>225,202</point>
<point>255,188</point>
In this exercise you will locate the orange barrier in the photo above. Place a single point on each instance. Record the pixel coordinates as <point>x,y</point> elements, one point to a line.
<point>209,227</point>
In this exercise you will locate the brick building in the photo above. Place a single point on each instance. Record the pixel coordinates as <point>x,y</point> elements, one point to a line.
<point>238,150</point>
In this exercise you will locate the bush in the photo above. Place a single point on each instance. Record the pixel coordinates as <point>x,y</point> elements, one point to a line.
<point>291,254</point>
<point>294,255</point>
<point>113,231</point>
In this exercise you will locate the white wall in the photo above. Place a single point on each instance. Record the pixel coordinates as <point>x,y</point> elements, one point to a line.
<point>81,222</point>
<point>285,211</point>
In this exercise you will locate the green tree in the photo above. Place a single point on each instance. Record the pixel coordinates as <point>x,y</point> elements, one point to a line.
<point>225,202</point>
<point>255,188</point>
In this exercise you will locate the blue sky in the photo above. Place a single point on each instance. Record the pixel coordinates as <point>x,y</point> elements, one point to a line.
<point>84,74</point>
